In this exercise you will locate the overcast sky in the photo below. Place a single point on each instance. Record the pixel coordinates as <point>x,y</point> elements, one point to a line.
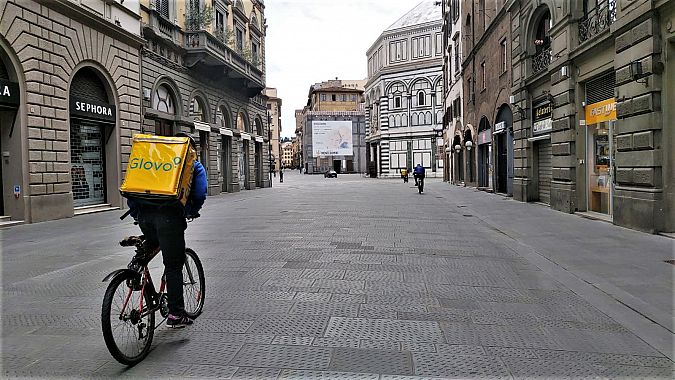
<point>311,41</point>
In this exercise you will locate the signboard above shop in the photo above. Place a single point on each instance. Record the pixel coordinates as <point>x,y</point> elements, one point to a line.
<point>541,115</point>
<point>601,111</point>
<point>89,109</point>
<point>9,94</point>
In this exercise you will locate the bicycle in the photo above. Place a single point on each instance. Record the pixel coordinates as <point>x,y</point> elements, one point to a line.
<point>133,293</point>
<point>420,184</point>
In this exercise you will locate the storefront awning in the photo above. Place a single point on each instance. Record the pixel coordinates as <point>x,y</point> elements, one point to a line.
<point>537,138</point>
<point>201,126</point>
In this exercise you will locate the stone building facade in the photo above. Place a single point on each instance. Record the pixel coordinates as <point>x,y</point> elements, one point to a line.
<point>332,128</point>
<point>593,95</point>
<point>453,121</point>
<point>274,121</point>
<point>404,95</point>
<point>70,74</point>
<point>483,148</point>
<point>205,77</point>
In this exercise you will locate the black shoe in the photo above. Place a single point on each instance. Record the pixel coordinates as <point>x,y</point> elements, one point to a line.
<point>178,322</point>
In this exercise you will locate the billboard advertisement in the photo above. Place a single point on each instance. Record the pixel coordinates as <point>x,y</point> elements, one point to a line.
<point>332,138</point>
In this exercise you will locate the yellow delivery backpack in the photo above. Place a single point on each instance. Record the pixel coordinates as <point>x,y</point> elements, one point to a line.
<point>159,169</point>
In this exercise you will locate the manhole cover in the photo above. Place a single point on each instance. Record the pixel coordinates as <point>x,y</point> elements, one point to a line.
<point>670,261</point>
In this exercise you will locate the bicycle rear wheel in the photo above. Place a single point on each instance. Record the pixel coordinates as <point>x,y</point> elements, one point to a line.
<point>193,284</point>
<point>127,333</point>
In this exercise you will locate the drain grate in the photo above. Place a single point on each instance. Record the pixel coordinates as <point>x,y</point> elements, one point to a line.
<point>669,261</point>
<point>467,215</point>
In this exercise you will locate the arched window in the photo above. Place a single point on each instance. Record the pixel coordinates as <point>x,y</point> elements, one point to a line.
<point>198,109</point>
<point>420,89</point>
<point>223,117</point>
<point>542,40</point>
<point>242,122</point>
<point>258,127</point>
<point>421,98</point>
<point>163,100</point>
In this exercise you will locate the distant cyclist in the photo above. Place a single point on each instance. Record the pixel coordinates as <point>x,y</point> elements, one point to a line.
<point>418,172</point>
<point>164,226</point>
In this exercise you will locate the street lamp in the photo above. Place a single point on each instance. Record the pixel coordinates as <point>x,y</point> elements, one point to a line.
<point>468,145</point>
<point>458,148</point>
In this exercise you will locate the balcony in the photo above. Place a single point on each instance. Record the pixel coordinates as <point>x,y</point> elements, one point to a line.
<point>159,26</point>
<point>204,48</point>
<point>597,20</point>
<point>541,60</point>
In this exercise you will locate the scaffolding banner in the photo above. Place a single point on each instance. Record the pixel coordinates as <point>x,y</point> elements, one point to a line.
<point>332,138</point>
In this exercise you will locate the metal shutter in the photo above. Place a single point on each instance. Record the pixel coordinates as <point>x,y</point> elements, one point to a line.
<point>545,174</point>
<point>4,75</point>
<point>601,88</point>
<point>87,85</point>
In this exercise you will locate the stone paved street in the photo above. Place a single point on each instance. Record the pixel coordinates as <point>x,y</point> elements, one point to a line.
<point>362,279</point>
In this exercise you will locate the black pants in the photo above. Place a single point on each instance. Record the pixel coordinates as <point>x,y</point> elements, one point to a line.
<point>166,227</point>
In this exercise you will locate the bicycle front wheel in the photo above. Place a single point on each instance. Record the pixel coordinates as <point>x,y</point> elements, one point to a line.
<point>127,328</point>
<point>193,284</point>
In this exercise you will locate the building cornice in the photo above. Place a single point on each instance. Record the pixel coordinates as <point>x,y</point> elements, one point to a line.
<point>78,13</point>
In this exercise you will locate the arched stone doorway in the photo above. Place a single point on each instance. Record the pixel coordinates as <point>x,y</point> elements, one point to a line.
<point>224,123</point>
<point>458,158</point>
<point>470,163</point>
<point>12,167</point>
<point>484,153</point>
<point>93,143</point>
<point>244,145</point>
<point>259,170</point>
<point>504,150</point>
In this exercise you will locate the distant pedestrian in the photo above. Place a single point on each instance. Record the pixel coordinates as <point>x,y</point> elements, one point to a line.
<point>281,175</point>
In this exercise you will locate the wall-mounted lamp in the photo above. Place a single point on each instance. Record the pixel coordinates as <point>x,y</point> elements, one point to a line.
<point>636,72</point>
<point>458,148</point>
<point>565,72</point>
<point>468,145</point>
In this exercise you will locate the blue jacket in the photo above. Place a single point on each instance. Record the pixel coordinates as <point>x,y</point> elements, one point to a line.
<point>419,170</point>
<point>198,192</point>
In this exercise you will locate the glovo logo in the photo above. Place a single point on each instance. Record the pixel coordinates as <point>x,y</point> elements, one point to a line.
<point>142,164</point>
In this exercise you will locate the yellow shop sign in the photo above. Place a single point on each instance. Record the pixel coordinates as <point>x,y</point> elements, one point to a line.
<point>601,111</point>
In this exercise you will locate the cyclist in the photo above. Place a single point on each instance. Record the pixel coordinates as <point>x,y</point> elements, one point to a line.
<point>164,226</point>
<point>418,172</point>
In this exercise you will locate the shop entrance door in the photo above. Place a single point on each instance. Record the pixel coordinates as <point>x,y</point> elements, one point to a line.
<point>501,163</point>
<point>2,182</point>
<point>337,165</point>
<point>258,165</point>
<point>600,166</point>
<point>87,160</point>
<point>483,165</point>
<point>544,172</point>
<point>226,165</point>
<point>243,165</point>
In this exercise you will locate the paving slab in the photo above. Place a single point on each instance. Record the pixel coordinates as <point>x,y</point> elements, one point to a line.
<point>380,283</point>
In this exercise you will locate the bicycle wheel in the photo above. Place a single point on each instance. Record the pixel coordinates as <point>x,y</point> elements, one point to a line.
<point>127,334</point>
<point>420,186</point>
<point>193,284</point>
